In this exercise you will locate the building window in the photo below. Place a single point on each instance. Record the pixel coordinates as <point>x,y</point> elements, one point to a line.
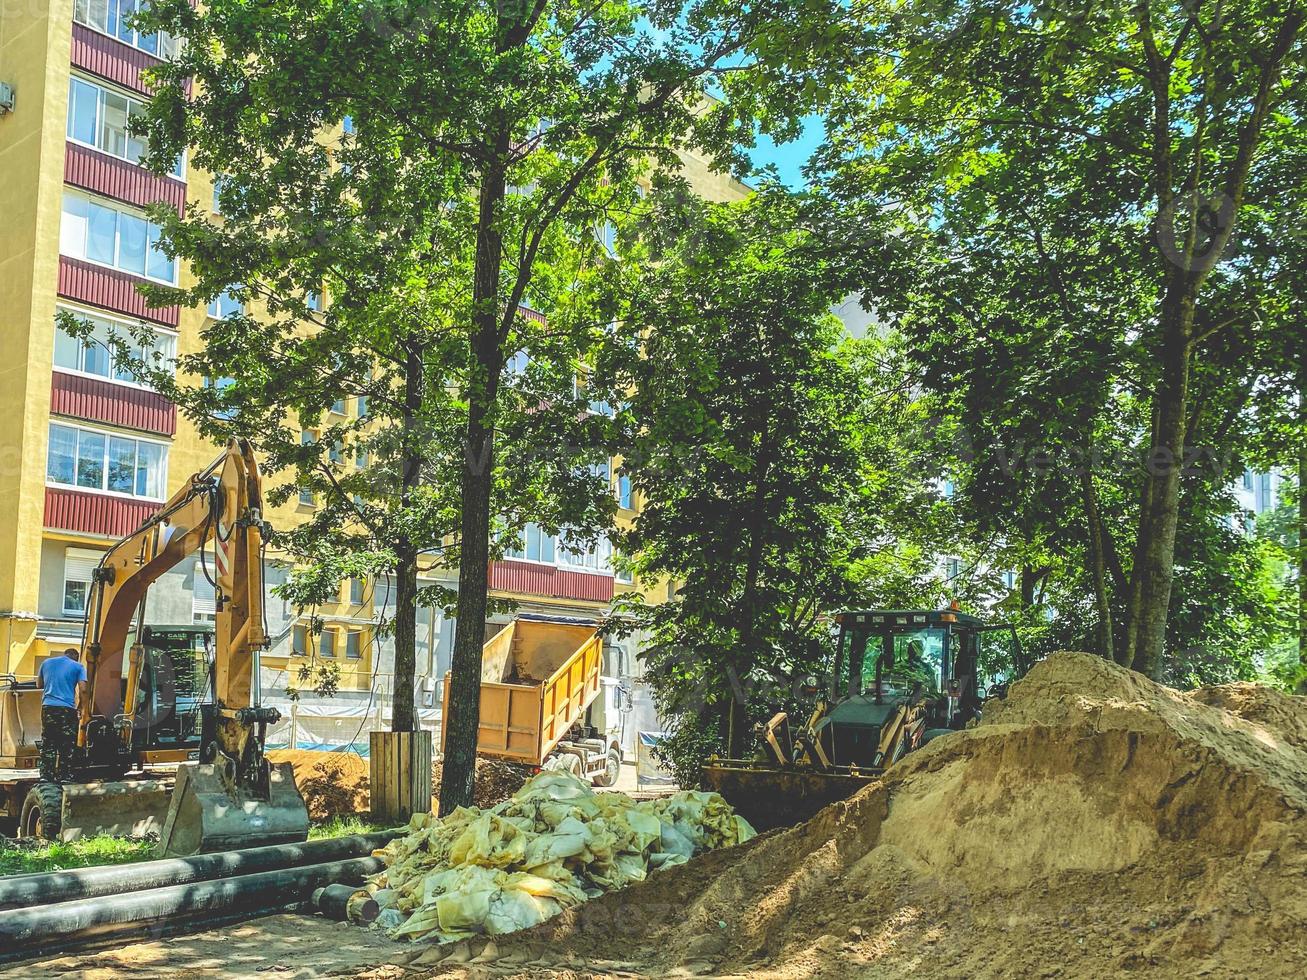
<point>113,17</point>
<point>516,365</point>
<point>952,568</point>
<point>95,460</point>
<point>1247,479</point>
<point>356,589</point>
<point>949,489</point>
<point>300,641</point>
<point>338,406</point>
<point>113,238</point>
<point>336,451</point>
<point>219,185</point>
<point>1010,580</point>
<point>363,406</point>
<point>354,645</point>
<point>537,545</point>
<point>99,118</point>
<point>624,492</point>
<point>606,232</point>
<point>79,567</point>
<point>225,304</point>
<point>94,355</point>
<point>204,607</point>
<point>1262,497</point>
<point>313,300</point>
<point>327,644</point>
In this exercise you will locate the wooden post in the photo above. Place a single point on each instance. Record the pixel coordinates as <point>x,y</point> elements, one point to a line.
<point>400,764</point>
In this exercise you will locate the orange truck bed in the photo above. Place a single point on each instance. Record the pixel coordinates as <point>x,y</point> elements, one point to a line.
<point>537,680</point>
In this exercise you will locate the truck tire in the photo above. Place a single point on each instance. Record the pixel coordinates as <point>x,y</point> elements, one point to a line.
<point>612,769</point>
<point>42,812</point>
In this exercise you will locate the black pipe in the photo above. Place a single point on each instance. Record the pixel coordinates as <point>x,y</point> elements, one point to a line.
<point>46,928</point>
<point>47,888</point>
<point>334,903</point>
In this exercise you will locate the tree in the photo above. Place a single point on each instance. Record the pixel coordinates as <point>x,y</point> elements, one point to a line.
<point>748,414</point>
<point>1135,129</point>
<point>482,142</point>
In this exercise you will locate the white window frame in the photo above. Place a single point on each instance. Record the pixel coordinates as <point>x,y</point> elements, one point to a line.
<point>109,434</point>
<point>85,560</point>
<point>216,308</point>
<point>178,171</point>
<point>167,344</point>
<point>357,637</point>
<point>204,600</point>
<point>82,15</point>
<point>151,231</point>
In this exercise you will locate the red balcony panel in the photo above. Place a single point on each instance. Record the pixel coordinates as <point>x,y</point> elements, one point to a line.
<point>123,181</point>
<point>98,400</point>
<point>109,58</point>
<point>110,290</point>
<point>94,513</point>
<point>527,313</point>
<point>546,580</point>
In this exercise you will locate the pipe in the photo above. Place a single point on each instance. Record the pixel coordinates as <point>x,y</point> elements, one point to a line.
<point>48,888</point>
<point>27,932</point>
<point>339,902</point>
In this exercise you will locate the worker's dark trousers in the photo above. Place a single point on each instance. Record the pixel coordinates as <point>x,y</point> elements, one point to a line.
<point>58,736</point>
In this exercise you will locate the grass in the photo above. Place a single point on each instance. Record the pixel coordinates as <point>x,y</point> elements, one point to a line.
<point>59,856</point>
<point>342,827</point>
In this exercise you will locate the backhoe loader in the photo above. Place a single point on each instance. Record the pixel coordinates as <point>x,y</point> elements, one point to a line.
<point>900,678</point>
<point>164,696</point>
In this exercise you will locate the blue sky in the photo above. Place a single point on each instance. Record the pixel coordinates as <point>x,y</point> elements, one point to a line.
<point>789,158</point>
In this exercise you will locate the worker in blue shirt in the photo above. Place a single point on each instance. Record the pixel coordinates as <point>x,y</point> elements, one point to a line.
<point>62,681</point>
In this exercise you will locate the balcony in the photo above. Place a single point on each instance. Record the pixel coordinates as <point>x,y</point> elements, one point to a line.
<point>109,58</point>
<point>98,400</point>
<point>100,173</point>
<point>109,289</point>
<point>95,513</point>
<point>548,581</point>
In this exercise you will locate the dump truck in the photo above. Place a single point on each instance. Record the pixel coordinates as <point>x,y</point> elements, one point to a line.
<point>169,737</point>
<point>540,681</point>
<point>899,679</point>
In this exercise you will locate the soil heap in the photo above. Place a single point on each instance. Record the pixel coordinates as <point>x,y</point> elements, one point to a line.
<point>1094,823</point>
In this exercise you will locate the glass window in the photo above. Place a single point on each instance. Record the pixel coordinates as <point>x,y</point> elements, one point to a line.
<point>95,357</point>
<point>300,643</point>
<point>356,591</point>
<point>354,645</point>
<point>75,593</point>
<point>306,498</point>
<point>83,105</point>
<point>131,244</point>
<point>313,300</point>
<point>327,644</point>
<point>149,470</point>
<point>338,406</point>
<point>73,227</point>
<point>61,455</point>
<point>101,232</point>
<point>336,451</point>
<point>363,406</point>
<point>160,266</point>
<point>113,124</point>
<point>90,459</point>
<point>624,491</point>
<point>122,465</point>
<point>225,304</point>
<point>67,350</point>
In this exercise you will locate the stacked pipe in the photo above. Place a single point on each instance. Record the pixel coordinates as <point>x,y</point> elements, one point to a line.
<point>57,910</point>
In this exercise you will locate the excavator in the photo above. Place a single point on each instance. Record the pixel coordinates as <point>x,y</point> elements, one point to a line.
<point>900,678</point>
<point>159,696</point>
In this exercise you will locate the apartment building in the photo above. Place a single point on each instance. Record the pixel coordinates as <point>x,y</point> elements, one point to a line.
<point>87,453</point>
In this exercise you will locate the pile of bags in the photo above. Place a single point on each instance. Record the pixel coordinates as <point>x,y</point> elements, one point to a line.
<point>554,844</point>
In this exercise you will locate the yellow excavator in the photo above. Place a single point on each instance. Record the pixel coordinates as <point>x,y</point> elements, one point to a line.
<point>159,697</point>
<point>899,679</point>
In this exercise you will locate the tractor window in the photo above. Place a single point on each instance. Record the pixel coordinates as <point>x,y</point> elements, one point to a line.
<point>918,656</point>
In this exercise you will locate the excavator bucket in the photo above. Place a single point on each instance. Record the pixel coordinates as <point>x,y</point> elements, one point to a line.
<point>771,796</point>
<point>125,808</point>
<point>207,814</point>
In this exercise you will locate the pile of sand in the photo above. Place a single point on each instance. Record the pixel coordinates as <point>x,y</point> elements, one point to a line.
<point>1094,823</point>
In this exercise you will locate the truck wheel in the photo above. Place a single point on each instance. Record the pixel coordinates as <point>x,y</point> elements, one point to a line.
<point>42,812</point>
<point>612,769</point>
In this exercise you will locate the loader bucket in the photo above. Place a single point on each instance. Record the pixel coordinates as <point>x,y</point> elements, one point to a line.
<point>771,796</point>
<point>125,808</point>
<point>205,815</point>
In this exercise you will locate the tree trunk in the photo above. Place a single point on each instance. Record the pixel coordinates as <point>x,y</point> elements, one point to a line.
<point>1302,513</point>
<point>485,362</point>
<point>1154,564</point>
<point>403,717</point>
<point>1097,565</point>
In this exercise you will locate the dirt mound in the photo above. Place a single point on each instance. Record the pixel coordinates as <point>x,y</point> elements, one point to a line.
<point>333,784</point>
<point>1094,823</point>
<point>495,781</point>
